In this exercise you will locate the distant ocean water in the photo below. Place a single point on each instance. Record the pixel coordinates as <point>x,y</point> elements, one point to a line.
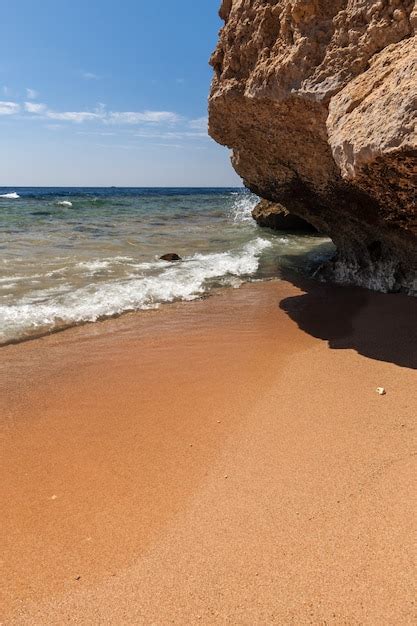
<point>73,255</point>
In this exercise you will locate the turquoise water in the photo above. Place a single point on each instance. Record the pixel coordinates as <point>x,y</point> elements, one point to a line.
<point>79,255</point>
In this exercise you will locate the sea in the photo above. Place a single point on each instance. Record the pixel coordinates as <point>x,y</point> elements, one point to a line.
<point>76,255</point>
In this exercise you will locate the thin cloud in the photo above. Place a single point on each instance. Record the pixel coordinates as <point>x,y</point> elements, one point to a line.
<point>90,76</point>
<point>96,133</point>
<point>146,117</point>
<point>167,145</point>
<point>35,107</point>
<point>200,123</point>
<point>72,116</point>
<point>9,108</point>
<point>166,126</point>
<point>102,115</point>
<point>168,135</point>
<point>31,94</point>
<point>62,116</point>
<point>119,146</point>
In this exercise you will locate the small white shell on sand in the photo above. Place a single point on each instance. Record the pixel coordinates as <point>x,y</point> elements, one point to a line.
<point>381,391</point>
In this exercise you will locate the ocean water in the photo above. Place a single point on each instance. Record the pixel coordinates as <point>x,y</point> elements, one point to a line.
<point>74,255</point>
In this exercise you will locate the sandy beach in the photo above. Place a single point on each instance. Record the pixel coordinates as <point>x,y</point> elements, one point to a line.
<point>224,461</point>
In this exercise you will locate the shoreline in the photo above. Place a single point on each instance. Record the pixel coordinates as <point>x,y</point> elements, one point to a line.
<point>115,316</point>
<point>225,460</point>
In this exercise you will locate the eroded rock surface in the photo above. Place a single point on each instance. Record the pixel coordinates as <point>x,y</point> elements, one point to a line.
<point>318,100</point>
<point>277,217</point>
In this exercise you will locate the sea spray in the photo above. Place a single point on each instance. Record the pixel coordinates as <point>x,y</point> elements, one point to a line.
<point>243,205</point>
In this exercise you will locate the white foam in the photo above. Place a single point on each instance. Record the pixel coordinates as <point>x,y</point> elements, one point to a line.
<point>65,203</point>
<point>186,280</point>
<point>10,196</point>
<point>18,278</point>
<point>243,206</point>
<point>93,266</point>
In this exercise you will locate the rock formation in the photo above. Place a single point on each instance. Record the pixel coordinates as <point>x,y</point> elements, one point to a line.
<point>277,217</point>
<point>318,100</point>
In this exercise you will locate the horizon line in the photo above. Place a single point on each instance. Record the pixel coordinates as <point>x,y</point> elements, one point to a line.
<point>122,187</point>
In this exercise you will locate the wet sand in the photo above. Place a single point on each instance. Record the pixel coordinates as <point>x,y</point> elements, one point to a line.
<point>221,461</point>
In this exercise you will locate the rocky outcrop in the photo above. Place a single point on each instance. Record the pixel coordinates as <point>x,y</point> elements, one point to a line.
<point>318,101</point>
<point>277,217</point>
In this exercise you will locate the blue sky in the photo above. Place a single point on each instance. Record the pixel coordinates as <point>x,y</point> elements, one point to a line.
<point>106,92</point>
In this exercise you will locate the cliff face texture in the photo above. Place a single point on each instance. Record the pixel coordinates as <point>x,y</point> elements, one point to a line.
<point>318,101</point>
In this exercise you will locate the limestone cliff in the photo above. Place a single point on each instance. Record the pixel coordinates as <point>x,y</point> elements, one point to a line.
<point>318,100</point>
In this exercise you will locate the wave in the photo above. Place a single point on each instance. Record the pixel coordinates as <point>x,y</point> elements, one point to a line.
<point>243,206</point>
<point>10,196</point>
<point>185,280</point>
<point>65,203</point>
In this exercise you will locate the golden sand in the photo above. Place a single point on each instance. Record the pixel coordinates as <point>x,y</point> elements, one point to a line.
<point>226,461</point>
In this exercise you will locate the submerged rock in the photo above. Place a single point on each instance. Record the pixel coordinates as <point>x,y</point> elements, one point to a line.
<point>318,101</point>
<point>277,217</point>
<point>171,256</point>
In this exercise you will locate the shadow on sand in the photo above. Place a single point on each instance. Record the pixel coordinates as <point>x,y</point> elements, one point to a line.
<point>378,326</point>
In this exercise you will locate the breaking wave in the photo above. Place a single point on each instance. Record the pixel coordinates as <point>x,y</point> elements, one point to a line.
<point>10,196</point>
<point>148,286</point>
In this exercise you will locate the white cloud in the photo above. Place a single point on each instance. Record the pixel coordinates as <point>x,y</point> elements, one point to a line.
<point>167,145</point>
<point>35,107</point>
<point>96,133</point>
<point>68,116</point>
<point>102,115</point>
<point>31,94</point>
<point>90,76</point>
<point>147,117</point>
<point>166,126</point>
<point>119,146</point>
<point>9,108</point>
<point>170,135</point>
<point>72,116</point>
<point>201,123</point>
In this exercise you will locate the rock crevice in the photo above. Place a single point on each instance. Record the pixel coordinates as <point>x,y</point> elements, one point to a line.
<point>318,101</point>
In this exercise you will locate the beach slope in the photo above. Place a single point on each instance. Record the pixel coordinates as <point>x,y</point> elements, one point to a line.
<point>220,461</point>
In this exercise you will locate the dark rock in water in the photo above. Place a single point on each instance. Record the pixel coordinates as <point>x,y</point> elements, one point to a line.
<point>277,217</point>
<point>171,256</point>
<point>42,213</point>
